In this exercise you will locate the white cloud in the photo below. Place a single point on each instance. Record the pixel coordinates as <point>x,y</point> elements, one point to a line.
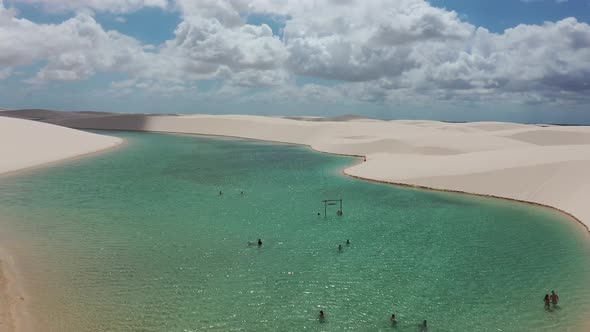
<point>257,78</point>
<point>554,56</point>
<point>73,50</point>
<point>114,6</point>
<point>379,50</point>
<point>212,41</point>
<point>125,84</point>
<point>5,73</point>
<point>205,41</point>
<point>365,40</point>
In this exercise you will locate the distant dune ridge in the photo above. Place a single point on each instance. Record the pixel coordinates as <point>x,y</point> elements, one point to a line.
<point>548,165</point>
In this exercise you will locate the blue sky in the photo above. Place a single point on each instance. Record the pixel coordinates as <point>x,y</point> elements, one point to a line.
<point>406,59</point>
<point>498,15</point>
<point>155,26</point>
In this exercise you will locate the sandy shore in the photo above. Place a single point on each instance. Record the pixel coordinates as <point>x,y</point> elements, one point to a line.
<point>25,144</point>
<point>547,165</point>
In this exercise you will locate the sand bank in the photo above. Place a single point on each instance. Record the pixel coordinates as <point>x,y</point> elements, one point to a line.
<point>25,144</point>
<point>547,165</point>
<point>13,314</point>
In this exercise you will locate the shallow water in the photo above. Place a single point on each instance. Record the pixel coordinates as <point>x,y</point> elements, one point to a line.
<point>139,240</point>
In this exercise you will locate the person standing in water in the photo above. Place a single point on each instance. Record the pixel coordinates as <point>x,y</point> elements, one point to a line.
<point>220,193</point>
<point>547,301</point>
<point>393,320</point>
<point>424,325</point>
<point>322,316</point>
<point>340,247</point>
<point>347,242</point>
<point>259,242</point>
<point>554,298</point>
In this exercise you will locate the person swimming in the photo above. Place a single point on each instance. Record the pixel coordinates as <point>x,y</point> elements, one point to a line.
<point>347,242</point>
<point>393,320</point>
<point>339,247</point>
<point>322,316</point>
<point>259,242</point>
<point>554,298</point>
<point>547,301</point>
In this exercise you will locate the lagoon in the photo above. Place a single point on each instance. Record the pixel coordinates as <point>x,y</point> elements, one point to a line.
<point>138,239</point>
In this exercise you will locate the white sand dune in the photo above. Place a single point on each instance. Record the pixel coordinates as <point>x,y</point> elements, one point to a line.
<point>547,165</point>
<point>494,126</point>
<point>24,144</point>
<point>553,136</point>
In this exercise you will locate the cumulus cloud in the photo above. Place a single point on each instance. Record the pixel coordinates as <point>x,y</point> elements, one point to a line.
<point>5,73</point>
<point>410,45</point>
<point>114,6</point>
<point>378,50</point>
<point>72,50</point>
<point>201,40</point>
<point>366,40</point>
<point>554,56</point>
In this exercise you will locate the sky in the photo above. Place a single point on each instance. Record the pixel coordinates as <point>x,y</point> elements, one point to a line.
<point>453,60</point>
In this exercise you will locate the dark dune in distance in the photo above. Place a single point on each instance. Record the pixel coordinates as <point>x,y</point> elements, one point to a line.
<point>48,115</point>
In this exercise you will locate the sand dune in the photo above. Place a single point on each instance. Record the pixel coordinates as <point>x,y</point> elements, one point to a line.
<point>546,165</point>
<point>553,137</point>
<point>495,126</point>
<point>41,114</point>
<point>25,143</point>
<point>555,184</point>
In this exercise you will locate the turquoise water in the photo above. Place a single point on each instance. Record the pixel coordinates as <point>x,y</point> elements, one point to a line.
<point>138,239</point>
